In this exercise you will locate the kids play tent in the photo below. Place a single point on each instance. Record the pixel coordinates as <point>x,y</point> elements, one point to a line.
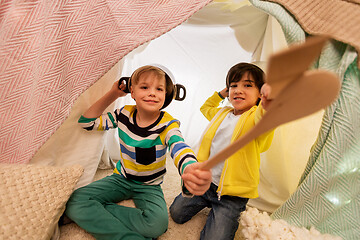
<point>58,58</point>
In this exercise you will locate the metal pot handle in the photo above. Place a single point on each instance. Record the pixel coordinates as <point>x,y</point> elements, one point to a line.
<point>127,82</point>
<point>178,87</point>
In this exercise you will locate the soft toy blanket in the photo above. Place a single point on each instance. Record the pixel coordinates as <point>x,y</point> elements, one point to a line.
<point>52,51</point>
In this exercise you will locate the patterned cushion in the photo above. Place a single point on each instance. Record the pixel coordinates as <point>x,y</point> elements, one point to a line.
<point>33,197</point>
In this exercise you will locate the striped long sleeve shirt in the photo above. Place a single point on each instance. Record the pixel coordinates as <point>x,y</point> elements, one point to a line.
<point>143,150</point>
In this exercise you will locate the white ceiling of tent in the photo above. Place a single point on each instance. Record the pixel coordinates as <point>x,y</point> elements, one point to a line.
<point>247,22</point>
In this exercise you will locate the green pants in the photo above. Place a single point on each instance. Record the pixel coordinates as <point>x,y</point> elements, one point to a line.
<point>94,209</point>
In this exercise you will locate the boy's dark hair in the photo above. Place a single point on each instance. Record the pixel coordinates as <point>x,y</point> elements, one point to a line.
<point>238,70</point>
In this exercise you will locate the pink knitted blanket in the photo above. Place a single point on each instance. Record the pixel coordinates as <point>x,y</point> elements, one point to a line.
<point>52,51</point>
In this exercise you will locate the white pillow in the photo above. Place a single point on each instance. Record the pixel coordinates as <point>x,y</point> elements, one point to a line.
<point>33,197</point>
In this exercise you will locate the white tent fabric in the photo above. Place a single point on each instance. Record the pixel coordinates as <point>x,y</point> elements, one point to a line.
<point>199,53</point>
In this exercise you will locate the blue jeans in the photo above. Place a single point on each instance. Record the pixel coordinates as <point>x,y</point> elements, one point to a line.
<point>223,219</point>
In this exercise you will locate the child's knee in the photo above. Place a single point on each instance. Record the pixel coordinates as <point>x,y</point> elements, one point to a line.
<point>177,214</point>
<point>158,230</point>
<point>156,227</point>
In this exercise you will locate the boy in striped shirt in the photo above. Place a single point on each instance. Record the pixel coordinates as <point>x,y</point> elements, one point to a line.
<point>145,133</point>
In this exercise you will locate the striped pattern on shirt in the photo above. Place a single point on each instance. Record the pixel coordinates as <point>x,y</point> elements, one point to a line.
<point>143,150</point>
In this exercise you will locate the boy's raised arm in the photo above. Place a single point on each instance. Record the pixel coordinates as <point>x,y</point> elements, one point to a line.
<point>210,106</point>
<point>224,93</point>
<point>100,105</point>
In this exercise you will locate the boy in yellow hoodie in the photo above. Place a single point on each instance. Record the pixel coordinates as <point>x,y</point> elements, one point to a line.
<point>235,180</point>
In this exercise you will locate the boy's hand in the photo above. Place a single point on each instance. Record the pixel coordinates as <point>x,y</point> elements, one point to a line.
<point>265,92</point>
<point>195,180</point>
<point>118,90</point>
<point>224,92</point>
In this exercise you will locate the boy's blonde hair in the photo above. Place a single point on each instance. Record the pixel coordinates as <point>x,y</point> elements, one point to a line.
<point>158,72</point>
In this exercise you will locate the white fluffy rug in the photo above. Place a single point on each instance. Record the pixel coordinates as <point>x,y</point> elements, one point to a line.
<point>257,225</point>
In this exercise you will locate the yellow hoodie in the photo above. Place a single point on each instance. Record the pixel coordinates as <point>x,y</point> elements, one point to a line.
<point>240,175</point>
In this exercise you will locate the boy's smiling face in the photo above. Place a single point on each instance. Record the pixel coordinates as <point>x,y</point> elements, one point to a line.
<point>243,94</point>
<point>149,92</point>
